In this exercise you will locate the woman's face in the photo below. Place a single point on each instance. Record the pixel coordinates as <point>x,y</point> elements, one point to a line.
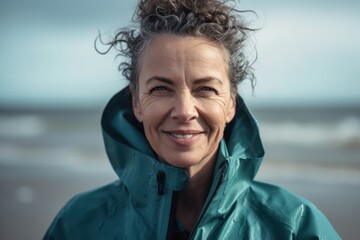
<point>184,99</point>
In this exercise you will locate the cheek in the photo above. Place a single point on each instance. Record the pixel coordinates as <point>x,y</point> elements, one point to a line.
<point>151,107</point>
<point>150,129</point>
<point>153,116</point>
<point>215,113</point>
<point>215,124</point>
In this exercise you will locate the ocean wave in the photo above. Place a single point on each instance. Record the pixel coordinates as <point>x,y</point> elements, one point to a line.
<point>343,133</point>
<point>24,126</point>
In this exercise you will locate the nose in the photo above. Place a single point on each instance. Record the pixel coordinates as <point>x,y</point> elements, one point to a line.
<point>184,108</point>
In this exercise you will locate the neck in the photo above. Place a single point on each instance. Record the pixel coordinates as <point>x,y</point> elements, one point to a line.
<point>192,198</point>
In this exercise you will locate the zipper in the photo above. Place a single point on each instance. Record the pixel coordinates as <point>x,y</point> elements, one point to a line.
<point>160,178</point>
<point>221,180</point>
<point>161,182</point>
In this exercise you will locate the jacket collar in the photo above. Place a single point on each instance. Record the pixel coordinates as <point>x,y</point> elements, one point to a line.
<point>243,142</point>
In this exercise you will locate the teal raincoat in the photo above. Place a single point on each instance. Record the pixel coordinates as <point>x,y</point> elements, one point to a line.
<point>139,205</point>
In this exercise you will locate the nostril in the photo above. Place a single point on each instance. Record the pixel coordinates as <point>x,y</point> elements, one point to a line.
<point>184,114</point>
<point>184,108</point>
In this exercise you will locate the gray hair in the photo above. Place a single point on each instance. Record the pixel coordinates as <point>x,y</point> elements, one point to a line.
<point>214,20</point>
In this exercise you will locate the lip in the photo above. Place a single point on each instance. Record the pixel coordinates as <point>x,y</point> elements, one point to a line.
<point>184,137</point>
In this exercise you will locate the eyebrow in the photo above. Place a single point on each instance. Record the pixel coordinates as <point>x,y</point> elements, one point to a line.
<point>161,79</point>
<point>197,81</point>
<point>207,79</point>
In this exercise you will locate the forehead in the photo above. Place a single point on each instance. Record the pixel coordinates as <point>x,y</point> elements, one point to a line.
<point>169,54</point>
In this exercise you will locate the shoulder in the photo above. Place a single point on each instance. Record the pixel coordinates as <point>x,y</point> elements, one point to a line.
<point>97,201</point>
<point>88,210</point>
<point>299,214</point>
<point>278,201</point>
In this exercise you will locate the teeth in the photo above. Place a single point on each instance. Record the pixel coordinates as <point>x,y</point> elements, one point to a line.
<point>182,136</point>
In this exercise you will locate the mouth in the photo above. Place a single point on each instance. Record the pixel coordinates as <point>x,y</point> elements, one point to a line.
<point>184,138</point>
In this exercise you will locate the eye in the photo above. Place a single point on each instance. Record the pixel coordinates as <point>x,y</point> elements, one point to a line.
<point>160,89</point>
<point>206,90</point>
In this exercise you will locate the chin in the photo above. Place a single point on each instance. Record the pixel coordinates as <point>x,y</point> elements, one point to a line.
<point>181,163</point>
<point>183,160</point>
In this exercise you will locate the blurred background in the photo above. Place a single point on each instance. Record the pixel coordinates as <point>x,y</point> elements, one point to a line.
<point>53,87</point>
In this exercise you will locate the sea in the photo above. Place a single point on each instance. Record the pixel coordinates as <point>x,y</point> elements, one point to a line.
<point>296,140</point>
<point>319,136</point>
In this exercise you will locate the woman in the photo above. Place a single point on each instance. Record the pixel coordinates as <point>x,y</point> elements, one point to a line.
<point>182,142</point>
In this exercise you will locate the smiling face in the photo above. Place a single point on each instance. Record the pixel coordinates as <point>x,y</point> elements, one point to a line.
<point>184,99</point>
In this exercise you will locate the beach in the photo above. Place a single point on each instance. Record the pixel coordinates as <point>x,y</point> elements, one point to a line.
<point>46,157</point>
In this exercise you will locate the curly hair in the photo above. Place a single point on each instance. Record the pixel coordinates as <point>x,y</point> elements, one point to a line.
<point>214,20</point>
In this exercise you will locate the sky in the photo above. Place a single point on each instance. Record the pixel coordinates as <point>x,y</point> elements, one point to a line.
<point>308,52</point>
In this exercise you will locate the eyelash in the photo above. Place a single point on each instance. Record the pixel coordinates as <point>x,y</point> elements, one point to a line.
<point>160,88</point>
<point>198,90</point>
<point>206,89</point>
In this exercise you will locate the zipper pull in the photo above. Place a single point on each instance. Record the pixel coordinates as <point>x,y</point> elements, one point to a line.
<point>160,181</point>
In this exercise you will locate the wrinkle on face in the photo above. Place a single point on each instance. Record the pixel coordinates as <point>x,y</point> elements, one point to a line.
<point>184,85</point>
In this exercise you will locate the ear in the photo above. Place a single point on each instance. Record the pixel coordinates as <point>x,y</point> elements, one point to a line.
<point>136,107</point>
<point>231,109</point>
